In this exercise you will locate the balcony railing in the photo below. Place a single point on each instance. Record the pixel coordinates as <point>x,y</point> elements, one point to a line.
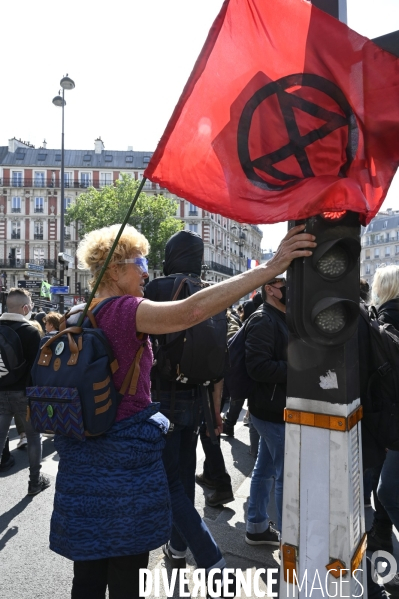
<point>15,210</point>
<point>38,236</point>
<point>39,210</point>
<point>15,235</point>
<point>193,212</point>
<point>226,270</point>
<point>76,184</point>
<point>19,263</point>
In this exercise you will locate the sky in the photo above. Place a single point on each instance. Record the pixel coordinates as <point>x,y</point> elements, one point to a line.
<point>130,62</point>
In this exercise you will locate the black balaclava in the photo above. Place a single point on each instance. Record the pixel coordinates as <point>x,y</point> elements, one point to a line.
<point>183,253</point>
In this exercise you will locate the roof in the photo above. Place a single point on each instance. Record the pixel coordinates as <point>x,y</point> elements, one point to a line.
<point>88,159</point>
<point>377,225</point>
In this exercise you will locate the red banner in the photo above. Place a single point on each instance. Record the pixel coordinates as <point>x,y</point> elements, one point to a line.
<point>287,113</point>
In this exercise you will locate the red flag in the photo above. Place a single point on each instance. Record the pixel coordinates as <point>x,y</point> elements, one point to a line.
<point>287,113</point>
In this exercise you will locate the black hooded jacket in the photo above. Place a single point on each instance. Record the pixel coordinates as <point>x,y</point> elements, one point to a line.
<point>183,255</point>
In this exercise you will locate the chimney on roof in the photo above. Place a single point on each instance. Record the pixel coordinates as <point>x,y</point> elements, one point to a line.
<point>98,145</point>
<point>15,143</point>
<point>44,144</point>
<point>130,148</point>
<point>389,209</point>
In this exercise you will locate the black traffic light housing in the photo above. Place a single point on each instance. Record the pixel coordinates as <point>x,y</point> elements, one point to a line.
<point>323,290</point>
<point>78,288</point>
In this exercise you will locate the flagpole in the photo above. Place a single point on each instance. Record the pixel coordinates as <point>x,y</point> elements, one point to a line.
<point>108,260</point>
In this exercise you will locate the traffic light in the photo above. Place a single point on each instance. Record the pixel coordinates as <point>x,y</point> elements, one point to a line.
<point>78,288</point>
<point>323,290</point>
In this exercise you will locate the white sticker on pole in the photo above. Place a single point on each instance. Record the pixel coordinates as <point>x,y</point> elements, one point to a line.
<point>329,381</point>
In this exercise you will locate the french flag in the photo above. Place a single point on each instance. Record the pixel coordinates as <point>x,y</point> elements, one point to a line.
<point>252,263</point>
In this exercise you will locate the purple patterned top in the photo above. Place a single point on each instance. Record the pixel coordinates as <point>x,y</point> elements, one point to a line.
<point>118,321</point>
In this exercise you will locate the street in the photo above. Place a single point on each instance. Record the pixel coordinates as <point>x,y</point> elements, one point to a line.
<point>29,570</point>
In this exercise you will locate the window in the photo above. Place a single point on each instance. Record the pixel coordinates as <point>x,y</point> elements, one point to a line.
<point>20,154</point>
<point>108,158</point>
<point>387,251</point>
<point>67,179</point>
<point>39,179</point>
<point>192,210</point>
<point>146,159</point>
<point>58,157</point>
<point>367,254</point>
<point>193,228</point>
<point>106,179</point>
<point>16,230</point>
<point>67,233</point>
<point>38,230</point>
<point>39,205</point>
<point>396,249</point>
<point>84,179</point>
<point>38,254</point>
<point>385,224</point>
<point>17,180</point>
<point>129,158</point>
<point>86,158</point>
<point>67,203</point>
<point>367,269</point>
<point>16,204</point>
<point>42,156</point>
<point>377,253</point>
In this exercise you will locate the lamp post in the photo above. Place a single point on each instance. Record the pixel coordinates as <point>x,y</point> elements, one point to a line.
<point>66,83</point>
<point>241,240</point>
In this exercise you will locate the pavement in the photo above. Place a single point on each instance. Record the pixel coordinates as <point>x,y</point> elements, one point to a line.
<point>29,570</point>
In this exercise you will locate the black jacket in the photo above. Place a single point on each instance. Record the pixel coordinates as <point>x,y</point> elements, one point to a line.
<point>30,341</point>
<point>388,313</point>
<point>266,344</point>
<point>183,255</point>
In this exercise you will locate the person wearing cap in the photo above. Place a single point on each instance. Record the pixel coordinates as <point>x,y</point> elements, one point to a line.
<point>266,345</point>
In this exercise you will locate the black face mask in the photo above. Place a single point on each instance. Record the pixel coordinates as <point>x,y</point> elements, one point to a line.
<point>283,294</point>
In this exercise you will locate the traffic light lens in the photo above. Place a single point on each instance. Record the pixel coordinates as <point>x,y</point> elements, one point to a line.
<point>332,319</point>
<point>334,263</point>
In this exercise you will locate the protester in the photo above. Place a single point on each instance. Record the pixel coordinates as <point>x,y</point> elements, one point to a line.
<point>236,403</point>
<point>13,398</point>
<point>266,345</point>
<point>52,323</point>
<point>385,295</point>
<point>183,256</point>
<point>130,514</point>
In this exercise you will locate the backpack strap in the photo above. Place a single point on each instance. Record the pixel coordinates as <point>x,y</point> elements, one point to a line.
<point>133,373</point>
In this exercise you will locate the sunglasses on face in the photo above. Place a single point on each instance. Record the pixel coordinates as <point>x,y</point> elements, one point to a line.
<point>141,262</point>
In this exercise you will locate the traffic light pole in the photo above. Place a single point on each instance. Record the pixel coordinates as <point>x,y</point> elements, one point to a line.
<point>323,533</point>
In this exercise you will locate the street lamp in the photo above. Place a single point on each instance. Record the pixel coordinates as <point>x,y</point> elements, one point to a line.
<point>66,83</point>
<point>241,240</point>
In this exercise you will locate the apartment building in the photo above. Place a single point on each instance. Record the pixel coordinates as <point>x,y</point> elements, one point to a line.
<point>30,208</point>
<point>380,243</point>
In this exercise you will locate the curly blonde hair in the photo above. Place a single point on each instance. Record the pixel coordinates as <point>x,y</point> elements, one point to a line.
<point>94,248</point>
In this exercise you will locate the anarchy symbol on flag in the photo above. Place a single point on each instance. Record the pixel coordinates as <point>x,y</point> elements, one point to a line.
<point>297,144</point>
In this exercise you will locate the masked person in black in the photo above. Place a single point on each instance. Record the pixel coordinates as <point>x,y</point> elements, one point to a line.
<point>266,343</point>
<point>183,255</point>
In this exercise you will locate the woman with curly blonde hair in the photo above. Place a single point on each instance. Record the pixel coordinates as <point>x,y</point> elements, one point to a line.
<point>111,504</point>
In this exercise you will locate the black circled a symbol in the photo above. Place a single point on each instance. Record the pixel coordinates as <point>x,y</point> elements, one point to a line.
<point>297,142</point>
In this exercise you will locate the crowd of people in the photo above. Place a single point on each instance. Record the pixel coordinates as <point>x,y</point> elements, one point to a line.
<point>133,487</point>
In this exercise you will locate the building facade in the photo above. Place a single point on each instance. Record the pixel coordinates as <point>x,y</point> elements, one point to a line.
<point>380,243</point>
<point>30,209</point>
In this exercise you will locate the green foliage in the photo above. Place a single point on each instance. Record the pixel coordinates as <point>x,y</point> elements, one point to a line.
<point>153,215</point>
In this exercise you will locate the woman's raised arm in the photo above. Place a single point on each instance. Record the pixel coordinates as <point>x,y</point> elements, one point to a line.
<point>159,318</point>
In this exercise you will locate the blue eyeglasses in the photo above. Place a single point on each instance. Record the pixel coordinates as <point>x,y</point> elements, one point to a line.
<point>141,262</point>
